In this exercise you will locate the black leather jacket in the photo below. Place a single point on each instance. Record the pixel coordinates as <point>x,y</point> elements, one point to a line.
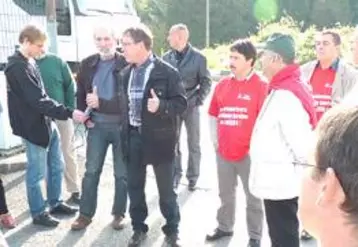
<point>194,72</point>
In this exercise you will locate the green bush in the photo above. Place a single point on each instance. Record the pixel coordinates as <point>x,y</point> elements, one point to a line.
<point>218,55</point>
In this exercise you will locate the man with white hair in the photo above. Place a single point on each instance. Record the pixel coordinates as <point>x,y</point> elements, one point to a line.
<point>192,67</point>
<point>98,90</point>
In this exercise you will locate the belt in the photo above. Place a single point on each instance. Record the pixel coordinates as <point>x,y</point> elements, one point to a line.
<point>135,128</point>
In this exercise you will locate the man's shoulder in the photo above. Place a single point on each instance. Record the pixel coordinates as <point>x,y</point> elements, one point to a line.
<point>309,65</point>
<point>348,68</point>
<point>16,67</point>
<point>286,99</point>
<point>167,54</point>
<point>259,78</point>
<point>161,64</point>
<point>53,57</point>
<point>90,59</point>
<point>223,81</point>
<point>197,52</point>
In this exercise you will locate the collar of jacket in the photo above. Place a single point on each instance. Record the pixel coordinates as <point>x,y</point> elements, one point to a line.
<point>154,59</point>
<point>117,56</point>
<point>333,66</point>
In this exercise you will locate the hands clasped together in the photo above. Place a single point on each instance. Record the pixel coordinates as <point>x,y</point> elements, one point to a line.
<point>93,103</point>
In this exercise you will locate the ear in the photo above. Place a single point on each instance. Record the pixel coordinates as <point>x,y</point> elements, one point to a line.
<point>249,61</point>
<point>331,193</point>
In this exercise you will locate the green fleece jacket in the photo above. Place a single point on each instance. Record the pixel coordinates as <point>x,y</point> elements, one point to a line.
<point>57,79</point>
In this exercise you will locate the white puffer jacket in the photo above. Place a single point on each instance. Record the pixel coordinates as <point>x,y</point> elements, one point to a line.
<point>282,134</point>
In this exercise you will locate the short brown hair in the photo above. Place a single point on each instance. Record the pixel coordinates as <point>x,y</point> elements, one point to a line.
<point>140,33</point>
<point>335,36</point>
<point>32,33</point>
<point>337,148</point>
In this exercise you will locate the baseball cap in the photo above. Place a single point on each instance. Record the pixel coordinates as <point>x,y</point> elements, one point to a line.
<point>282,44</point>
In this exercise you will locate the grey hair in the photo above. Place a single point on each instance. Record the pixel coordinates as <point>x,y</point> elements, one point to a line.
<point>181,27</point>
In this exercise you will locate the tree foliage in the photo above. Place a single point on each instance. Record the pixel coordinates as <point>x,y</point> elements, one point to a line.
<point>231,19</point>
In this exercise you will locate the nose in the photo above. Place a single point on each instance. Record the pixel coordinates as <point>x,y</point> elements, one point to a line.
<point>102,43</point>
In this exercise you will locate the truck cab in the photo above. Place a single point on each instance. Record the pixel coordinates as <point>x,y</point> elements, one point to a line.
<point>75,22</point>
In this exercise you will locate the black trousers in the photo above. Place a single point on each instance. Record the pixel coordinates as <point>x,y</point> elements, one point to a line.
<point>282,221</point>
<point>164,174</point>
<point>3,205</point>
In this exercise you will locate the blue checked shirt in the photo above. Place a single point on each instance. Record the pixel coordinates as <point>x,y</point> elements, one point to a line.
<point>137,82</point>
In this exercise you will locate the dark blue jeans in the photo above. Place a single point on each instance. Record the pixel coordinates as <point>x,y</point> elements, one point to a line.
<point>44,163</point>
<point>98,140</point>
<point>164,174</point>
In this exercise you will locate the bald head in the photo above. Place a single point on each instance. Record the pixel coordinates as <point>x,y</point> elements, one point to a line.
<point>178,36</point>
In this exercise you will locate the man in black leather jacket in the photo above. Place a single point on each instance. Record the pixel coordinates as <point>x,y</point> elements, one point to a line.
<point>192,67</point>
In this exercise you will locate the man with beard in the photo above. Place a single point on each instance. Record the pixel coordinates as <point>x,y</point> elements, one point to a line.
<point>98,90</point>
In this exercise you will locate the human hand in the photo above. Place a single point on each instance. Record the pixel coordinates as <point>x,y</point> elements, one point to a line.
<point>79,116</point>
<point>89,124</point>
<point>153,102</point>
<point>92,99</point>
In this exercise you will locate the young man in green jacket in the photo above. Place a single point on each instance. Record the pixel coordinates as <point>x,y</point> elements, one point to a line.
<point>59,85</point>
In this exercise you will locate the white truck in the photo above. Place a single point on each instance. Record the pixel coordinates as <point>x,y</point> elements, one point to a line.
<point>75,22</point>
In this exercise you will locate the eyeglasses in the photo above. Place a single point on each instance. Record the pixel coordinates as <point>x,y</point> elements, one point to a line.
<point>126,44</point>
<point>304,164</point>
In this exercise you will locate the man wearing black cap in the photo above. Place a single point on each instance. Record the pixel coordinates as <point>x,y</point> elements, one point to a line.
<point>279,140</point>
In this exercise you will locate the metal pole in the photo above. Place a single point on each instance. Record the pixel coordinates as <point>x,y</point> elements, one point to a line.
<point>51,25</point>
<point>207,38</point>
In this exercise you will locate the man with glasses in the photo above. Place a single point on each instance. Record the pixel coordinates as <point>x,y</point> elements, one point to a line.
<point>328,202</point>
<point>154,99</point>
<point>99,92</point>
<point>279,138</point>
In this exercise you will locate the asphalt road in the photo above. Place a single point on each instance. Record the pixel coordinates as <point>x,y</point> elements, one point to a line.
<point>198,211</point>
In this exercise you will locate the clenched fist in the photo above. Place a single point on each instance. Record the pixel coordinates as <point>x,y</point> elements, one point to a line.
<point>92,99</point>
<point>153,102</point>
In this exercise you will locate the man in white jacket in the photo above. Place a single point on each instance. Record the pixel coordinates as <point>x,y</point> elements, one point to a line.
<point>328,204</point>
<point>279,139</point>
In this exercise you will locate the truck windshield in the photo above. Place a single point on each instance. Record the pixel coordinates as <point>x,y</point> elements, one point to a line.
<point>101,7</point>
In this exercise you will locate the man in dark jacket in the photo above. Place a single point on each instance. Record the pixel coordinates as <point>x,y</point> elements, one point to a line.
<point>193,69</point>
<point>155,98</point>
<point>98,90</point>
<point>31,117</point>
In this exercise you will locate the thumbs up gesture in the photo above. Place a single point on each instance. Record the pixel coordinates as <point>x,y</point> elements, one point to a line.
<point>92,99</point>
<point>153,102</point>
